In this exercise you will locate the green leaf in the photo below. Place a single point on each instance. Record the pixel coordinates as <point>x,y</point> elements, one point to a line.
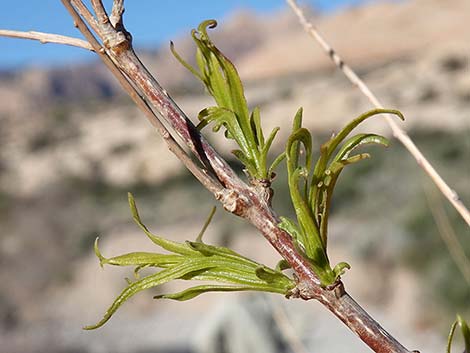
<point>297,123</point>
<point>222,81</point>
<point>255,120</point>
<point>248,163</point>
<point>275,163</point>
<point>228,272</point>
<point>357,141</point>
<point>282,265</point>
<point>190,293</point>
<point>231,273</point>
<point>206,224</point>
<point>465,330</point>
<point>302,136</point>
<point>211,250</point>
<point>329,147</point>
<point>340,268</point>
<point>311,191</point>
<point>329,182</point>
<point>184,63</point>
<point>146,283</point>
<point>267,274</point>
<point>304,215</point>
<point>334,142</point>
<point>168,245</point>
<point>138,258</point>
<point>265,150</point>
<point>290,227</point>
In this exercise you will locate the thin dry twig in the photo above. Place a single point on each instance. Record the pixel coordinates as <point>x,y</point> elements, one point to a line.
<point>85,13</point>
<point>100,11</point>
<point>45,38</point>
<point>448,235</point>
<point>116,12</point>
<point>398,132</point>
<point>284,324</point>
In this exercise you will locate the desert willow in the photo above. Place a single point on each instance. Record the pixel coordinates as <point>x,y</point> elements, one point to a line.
<point>301,241</point>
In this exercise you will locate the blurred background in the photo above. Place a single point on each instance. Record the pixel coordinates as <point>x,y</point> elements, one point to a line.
<point>72,145</point>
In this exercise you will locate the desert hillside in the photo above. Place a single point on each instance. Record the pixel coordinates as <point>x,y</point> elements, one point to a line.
<point>72,145</point>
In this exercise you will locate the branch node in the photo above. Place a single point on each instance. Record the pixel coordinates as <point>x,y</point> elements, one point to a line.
<point>294,293</point>
<point>234,202</point>
<point>305,290</point>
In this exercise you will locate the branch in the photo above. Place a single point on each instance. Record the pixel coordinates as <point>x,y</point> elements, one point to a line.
<point>215,174</point>
<point>286,328</point>
<point>116,13</point>
<point>236,197</point>
<point>45,38</point>
<point>398,132</point>
<point>201,174</point>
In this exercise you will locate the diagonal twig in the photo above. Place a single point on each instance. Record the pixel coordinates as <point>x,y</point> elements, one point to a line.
<point>85,13</point>
<point>116,12</point>
<point>47,38</point>
<point>448,235</point>
<point>100,11</point>
<point>286,327</point>
<point>398,132</point>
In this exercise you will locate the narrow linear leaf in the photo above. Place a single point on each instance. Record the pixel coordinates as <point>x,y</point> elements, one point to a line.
<point>233,276</point>
<point>465,332</point>
<point>297,123</point>
<point>271,276</point>
<point>282,265</point>
<point>304,137</point>
<point>168,245</point>
<point>275,163</point>
<point>206,224</point>
<point>138,258</point>
<point>145,283</point>
<point>357,141</point>
<point>255,120</point>
<point>184,63</point>
<point>340,268</point>
<point>246,161</point>
<point>190,293</point>
<point>334,142</point>
<point>211,250</point>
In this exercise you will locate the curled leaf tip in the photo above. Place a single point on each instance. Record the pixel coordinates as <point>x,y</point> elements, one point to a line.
<point>211,23</point>
<point>98,254</point>
<point>341,268</point>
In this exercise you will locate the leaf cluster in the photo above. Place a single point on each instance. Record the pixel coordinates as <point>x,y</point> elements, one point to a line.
<point>311,187</point>
<point>221,79</point>
<point>192,260</point>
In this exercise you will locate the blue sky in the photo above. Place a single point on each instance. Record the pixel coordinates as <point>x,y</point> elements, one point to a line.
<point>149,23</point>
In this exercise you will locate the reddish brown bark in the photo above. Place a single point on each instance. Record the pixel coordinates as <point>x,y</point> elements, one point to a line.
<point>236,196</point>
